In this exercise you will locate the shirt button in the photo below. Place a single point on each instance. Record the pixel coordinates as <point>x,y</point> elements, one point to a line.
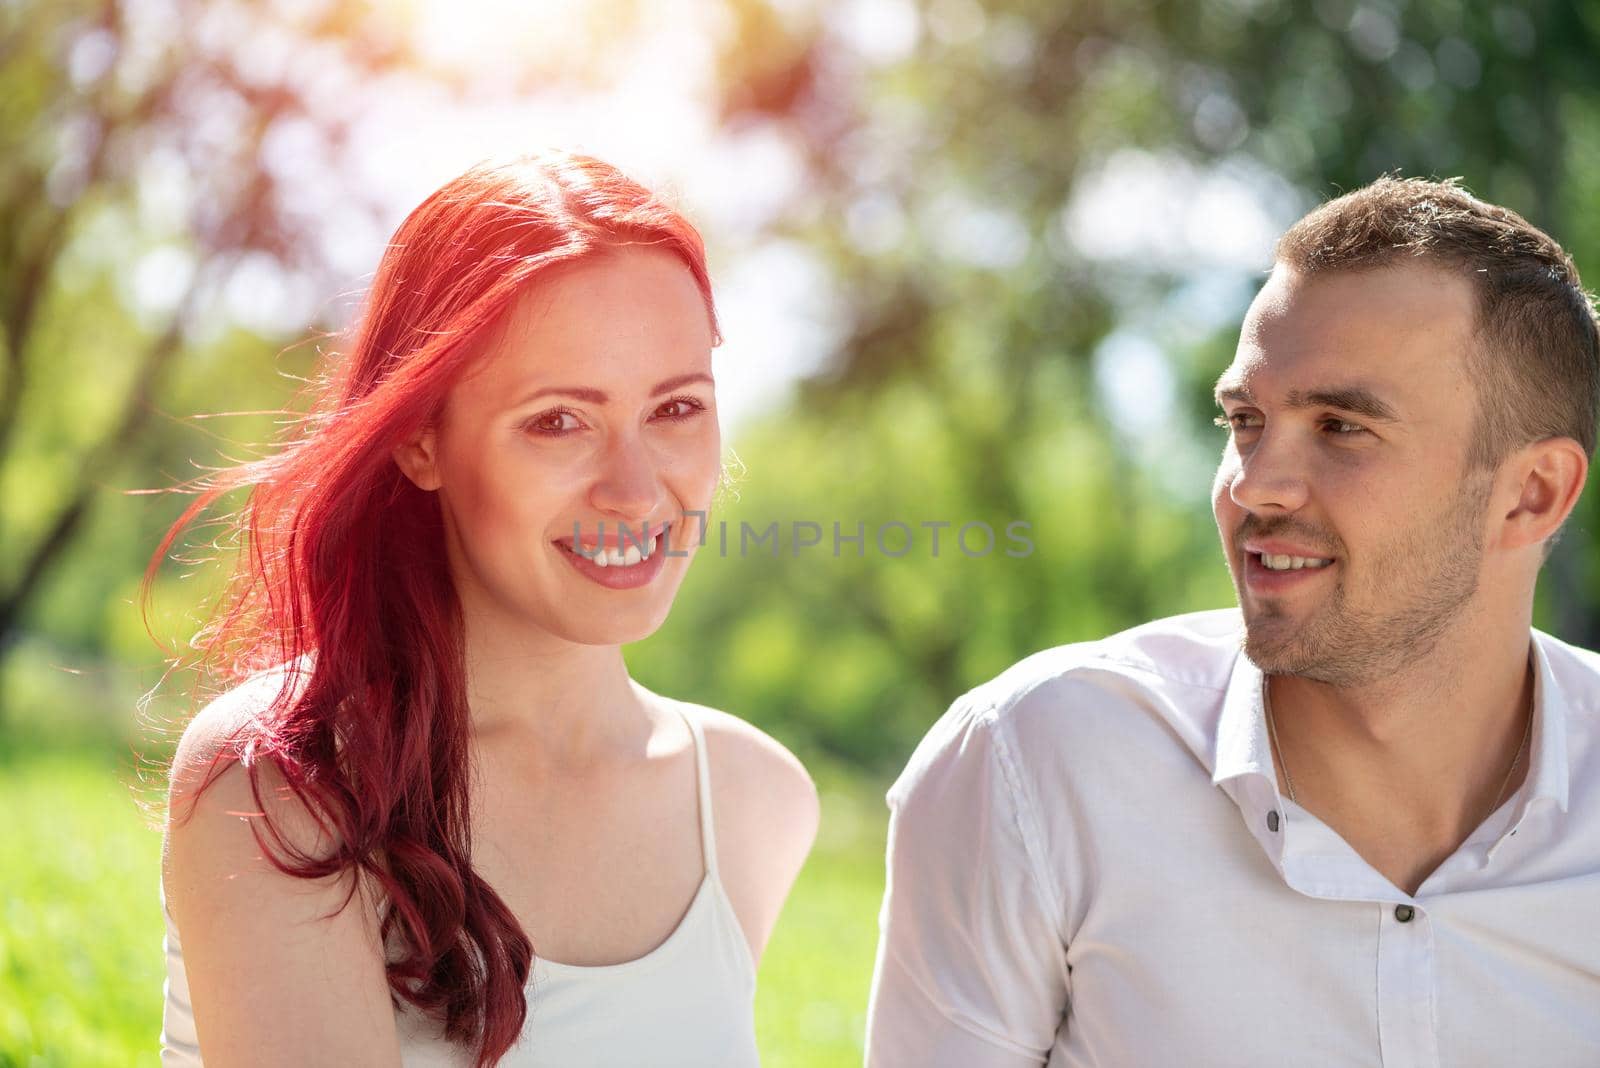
<point>1403,913</point>
<point>1272,822</point>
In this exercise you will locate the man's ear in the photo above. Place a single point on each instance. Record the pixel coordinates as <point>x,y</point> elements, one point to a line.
<point>418,459</point>
<point>1549,476</point>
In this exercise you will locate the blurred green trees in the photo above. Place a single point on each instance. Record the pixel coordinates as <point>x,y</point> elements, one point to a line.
<point>145,183</point>
<point>182,185</point>
<point>1040,224</point>
<point>992,188</point>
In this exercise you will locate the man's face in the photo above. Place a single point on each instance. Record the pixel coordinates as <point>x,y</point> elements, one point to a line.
<point>1352,526</point>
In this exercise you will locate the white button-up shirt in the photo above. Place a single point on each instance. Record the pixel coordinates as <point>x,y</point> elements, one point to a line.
<point>1090,864</point>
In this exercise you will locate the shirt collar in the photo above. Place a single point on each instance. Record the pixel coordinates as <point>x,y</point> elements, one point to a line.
<point>1242,746</point>
<point>1548,769</point>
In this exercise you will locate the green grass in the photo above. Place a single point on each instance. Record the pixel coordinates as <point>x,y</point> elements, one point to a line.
<point>80,934</point>
<point>80,930</point>
<point>811,997</point>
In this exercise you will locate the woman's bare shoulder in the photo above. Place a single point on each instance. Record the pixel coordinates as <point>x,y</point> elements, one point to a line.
<point>209,731</point>
<point>757,769</point>
<point>206,758</point>
<point>260,945</point>
<point>216,805</point>
<point>766,813</point>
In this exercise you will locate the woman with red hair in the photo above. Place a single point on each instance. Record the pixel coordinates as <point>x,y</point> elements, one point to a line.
<point>433,821</point>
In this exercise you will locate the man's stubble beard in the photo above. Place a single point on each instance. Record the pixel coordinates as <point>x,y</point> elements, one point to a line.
<point>1426,580</point>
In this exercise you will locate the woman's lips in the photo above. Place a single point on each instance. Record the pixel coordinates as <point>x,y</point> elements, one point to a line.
<point>617,538</point>
<point>619,561</point>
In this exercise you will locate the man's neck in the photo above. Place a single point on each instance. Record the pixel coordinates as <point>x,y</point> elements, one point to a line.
<point>1405,768</point>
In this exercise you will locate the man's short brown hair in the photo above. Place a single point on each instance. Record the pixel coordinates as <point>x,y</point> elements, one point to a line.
<point>1536,363</point>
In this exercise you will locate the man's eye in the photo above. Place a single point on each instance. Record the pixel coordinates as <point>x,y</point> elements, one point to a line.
<point>1341,427</point>
<point>1237,421</point>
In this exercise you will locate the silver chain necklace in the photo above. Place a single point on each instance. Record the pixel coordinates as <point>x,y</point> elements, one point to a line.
<point>1288,781</point>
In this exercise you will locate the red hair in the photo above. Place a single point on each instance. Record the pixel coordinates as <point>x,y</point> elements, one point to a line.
<point>341,576</point>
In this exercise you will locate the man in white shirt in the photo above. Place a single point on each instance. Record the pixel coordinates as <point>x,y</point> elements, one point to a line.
<point>1356,821</point>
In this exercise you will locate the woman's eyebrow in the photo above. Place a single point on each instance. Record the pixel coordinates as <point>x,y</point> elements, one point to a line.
<point>679,381</point>
<point>599,396</point>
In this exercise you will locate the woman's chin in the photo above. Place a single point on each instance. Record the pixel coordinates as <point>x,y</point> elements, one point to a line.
<point>611,625</point>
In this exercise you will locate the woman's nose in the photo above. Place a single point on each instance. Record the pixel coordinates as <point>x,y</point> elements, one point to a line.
<point>628,484</point>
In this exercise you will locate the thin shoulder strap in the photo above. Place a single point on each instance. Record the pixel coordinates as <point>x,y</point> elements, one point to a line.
<point>708,834</point>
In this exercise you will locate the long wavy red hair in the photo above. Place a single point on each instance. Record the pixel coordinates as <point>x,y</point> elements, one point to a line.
<point>341,578</point>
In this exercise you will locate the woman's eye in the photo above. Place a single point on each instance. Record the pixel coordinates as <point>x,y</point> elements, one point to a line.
<point>679,408</point>
<point>558,421</point>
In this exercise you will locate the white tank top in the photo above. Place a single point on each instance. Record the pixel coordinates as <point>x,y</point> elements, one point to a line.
<point>689,1002</point>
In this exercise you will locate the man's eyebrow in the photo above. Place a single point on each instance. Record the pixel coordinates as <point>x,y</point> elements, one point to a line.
<point>596,396</point>
<point>1358,400</point>
<point>1227,392</point>
<point>1355,399</point>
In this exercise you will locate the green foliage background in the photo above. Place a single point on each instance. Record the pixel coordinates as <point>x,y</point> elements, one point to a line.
<point>967,385</point>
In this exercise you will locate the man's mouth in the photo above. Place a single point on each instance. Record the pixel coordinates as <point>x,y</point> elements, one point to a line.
<point>1283,562</point>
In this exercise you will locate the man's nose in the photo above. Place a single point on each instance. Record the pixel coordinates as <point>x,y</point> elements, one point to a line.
<point>1270,476</point>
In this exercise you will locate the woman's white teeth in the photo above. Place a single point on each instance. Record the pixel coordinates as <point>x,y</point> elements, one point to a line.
<point>620,557</point>
<point>1279,562</point>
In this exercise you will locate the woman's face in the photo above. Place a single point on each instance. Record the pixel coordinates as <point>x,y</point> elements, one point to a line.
<point>588,423</point>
